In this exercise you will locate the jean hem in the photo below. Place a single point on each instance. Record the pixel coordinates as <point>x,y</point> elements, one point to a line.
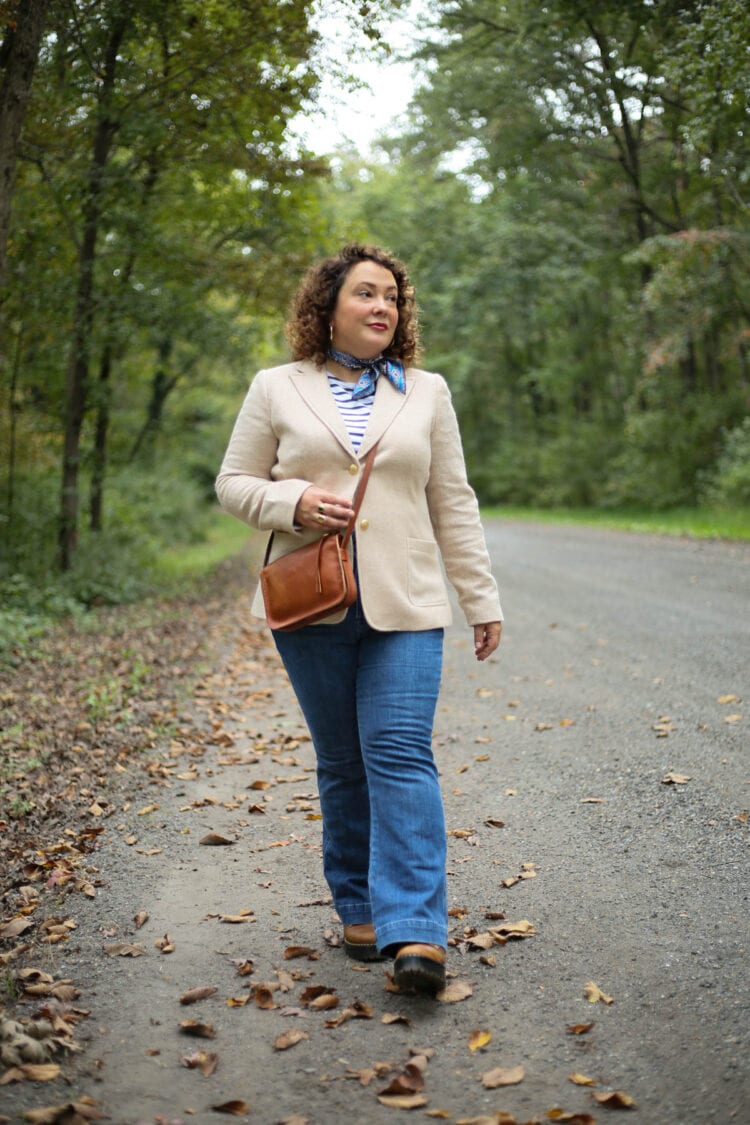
<point>354,914</point>
<point>412,930</point>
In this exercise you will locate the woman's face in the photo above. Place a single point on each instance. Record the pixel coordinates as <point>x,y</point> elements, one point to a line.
<point>365,318</point>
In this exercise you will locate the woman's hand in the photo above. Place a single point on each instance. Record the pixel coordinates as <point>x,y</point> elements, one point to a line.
<point>487,638</point>
<point>320,509</point>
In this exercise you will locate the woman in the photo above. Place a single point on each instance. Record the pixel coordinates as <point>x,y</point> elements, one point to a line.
<point>367,679</point>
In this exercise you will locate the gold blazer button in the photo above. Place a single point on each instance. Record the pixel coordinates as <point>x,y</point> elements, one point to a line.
<point>364,524</point>
<point>354,469</point>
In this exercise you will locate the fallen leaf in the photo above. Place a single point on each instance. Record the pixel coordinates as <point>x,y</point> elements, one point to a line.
<point>263,996</point>
<point>140,919</point>
<point>676,779</point>
<point>165,944</point>
<point>146,810</point>
<point>614,1099</point>
<point>195,994</point>
<point>402,1101</point>
<point>578,1028</point>
<point>593,800</point>
<point>393,1017</point>
<point>455,991</point>
<point>293,951</point>
<point>581,1080</point>
<point>728,699</point>
<point>214,839</point>
<point>236,1107</point>
<point>733,718</point>
<point>204,1061</point>
<point>15,927</point>
<point>503,1076</point>
<point>479,1039</point>
<point>409,1081</point>
<point>558,1114</point>
<point>124,949</point>
<point>356,1011</point>
<point>289,1039</point>
<point>32,1072</point>
<point>197,1029</point>
<point>593,994</point>
<point>492,822</point>
<point>72,1113</point>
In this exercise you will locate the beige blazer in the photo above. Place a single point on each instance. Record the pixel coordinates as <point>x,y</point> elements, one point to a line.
<point>418,507</point>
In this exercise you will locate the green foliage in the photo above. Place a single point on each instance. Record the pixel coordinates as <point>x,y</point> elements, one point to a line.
<point>729,482</point>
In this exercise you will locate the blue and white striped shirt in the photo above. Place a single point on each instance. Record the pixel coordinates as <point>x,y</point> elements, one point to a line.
<point>355,412</point>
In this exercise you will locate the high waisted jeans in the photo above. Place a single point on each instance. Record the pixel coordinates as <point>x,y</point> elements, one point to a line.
<point>369,701</point>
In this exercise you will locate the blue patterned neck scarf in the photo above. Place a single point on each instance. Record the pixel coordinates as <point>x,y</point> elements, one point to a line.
<point>371,370</point>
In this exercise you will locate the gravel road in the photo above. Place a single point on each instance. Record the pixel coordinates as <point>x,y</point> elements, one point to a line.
<point>624,662</point>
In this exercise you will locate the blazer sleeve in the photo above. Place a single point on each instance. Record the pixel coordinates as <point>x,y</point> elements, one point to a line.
<point>454,513</point>
<point>245,485</point>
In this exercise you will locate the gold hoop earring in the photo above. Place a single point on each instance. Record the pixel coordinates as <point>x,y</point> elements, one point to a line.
<point>330,329</point>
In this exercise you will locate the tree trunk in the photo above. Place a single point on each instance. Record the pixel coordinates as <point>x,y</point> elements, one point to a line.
<point>100,441</point>
<point>18,55</point>
<point>78,367</point>
<point>161,385</point>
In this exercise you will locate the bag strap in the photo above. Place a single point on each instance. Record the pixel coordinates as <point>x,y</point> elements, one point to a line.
<point>358,498</point>
<point>359,494</point>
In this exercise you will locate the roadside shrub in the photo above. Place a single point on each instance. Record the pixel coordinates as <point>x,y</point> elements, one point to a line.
<point>729,483</point>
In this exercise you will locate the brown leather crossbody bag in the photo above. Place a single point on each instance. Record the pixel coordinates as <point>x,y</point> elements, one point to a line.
<point>314,581</point>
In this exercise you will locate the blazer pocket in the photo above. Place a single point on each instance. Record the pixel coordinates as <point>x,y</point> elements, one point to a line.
<point>425,576</point>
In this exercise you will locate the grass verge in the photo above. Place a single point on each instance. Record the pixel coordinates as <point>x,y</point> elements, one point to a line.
<point>699,523</point>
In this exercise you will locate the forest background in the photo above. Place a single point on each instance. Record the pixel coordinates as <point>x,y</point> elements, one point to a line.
<point>569,186</point>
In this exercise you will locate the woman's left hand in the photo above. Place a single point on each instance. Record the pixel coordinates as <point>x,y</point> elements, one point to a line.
<point>487,638</point>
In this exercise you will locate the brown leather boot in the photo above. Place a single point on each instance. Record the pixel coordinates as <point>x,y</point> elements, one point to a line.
<point>420,968</point>
<point>360,944</point>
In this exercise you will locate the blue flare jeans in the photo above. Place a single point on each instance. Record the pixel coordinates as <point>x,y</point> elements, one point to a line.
<point>369,700</point>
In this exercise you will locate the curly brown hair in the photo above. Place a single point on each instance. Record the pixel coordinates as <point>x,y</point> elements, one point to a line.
<point>308,326</point>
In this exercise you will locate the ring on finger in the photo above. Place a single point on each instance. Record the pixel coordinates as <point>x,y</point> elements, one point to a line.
<point>321,519</point>
<point>320,508</point>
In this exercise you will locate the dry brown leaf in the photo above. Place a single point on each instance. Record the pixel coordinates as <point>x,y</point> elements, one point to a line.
<point>558,1114</point>
<point>676,779</point>
<point>356,1011</point>
<point>165,944</point>
<point>293,951</point>
<point>197,1029</point>
<point>581,1079</point>
<point>729,699</point>
<point>147,809</point>
<point>289,1039</point>
<point>195,994</point>
<point>124,949</point>
<point>32,1072</point>
<point>594,994</point>
<point>578,1028</point>
<point>614,1099</point>
<point>521,929</point>
<point>235,1106</point>
<point>455,991</point>
<point>394,1017</point>
<point>263,996</point>
<point>15,927</point>
<point>479,1039</point>
<point>72,1113</point>
<point>733,718</point>
<point>409,1081</point>
<point>493,822</point>
<point>204,1061</point>
<point>503,1076</point>
<point>215,840</point>
<point>402,1101</point>
<point>140,919</point>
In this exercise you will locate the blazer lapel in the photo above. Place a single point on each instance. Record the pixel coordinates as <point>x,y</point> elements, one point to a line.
<point>311,383</point>
<point>388,403</point>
